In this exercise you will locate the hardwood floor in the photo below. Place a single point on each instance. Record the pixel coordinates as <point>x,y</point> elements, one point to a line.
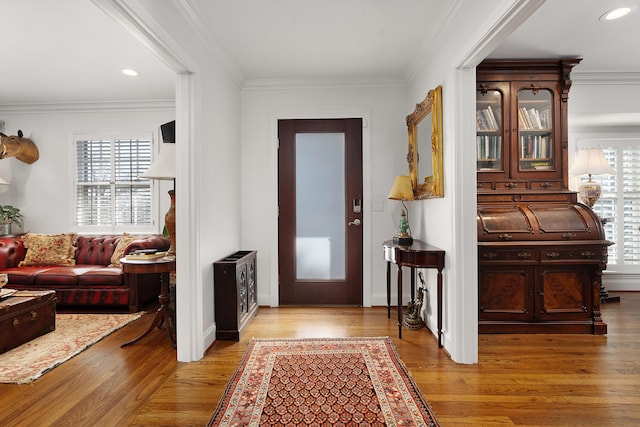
<point>520,380</point>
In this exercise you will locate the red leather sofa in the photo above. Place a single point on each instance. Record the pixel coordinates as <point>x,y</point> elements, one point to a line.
<point>91,282</point>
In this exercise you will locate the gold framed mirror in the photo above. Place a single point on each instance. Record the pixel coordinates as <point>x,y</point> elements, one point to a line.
<point>425,147</point>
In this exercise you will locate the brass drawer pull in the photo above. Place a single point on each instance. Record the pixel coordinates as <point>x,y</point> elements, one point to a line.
<point>16,321</point>
<point>34,315</point>
<point>524,254</point>
<point>511,184</point>
<point>569,236</point>
<point>587,254</point>
<point>553,254</point>
<point>490,255</point>
<point>505,236</point>
<point>545,184</point>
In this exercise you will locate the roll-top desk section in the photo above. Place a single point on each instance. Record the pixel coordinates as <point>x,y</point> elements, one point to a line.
<point>540,268</point>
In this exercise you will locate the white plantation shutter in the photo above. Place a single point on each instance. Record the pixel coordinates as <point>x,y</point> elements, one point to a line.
<point>620,205</point>
<point>109,194</point>
<point>630,215</point>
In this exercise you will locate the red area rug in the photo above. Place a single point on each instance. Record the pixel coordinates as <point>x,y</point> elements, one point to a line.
<point>333,381</point>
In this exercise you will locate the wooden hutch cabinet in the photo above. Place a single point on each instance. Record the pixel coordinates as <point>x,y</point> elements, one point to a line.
<point>540,252</point>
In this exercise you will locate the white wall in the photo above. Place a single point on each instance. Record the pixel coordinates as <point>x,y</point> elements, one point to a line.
<point>43,190</point>
<point>384,157</point>
<point>207,157</point>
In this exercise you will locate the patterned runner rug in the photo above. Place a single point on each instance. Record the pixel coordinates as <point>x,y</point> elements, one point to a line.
<point>332,381</point>
<point>74,333</point>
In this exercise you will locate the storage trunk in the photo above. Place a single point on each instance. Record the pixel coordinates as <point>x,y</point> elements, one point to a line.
<point>26,315</point>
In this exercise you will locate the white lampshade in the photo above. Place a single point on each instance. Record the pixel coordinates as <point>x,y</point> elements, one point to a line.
<point>164,166</point>
<point>591,162</point>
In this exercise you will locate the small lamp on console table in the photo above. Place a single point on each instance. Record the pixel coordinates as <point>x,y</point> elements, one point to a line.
<point>164,168</point>
<point>590,162</point>
<point>402,190</point>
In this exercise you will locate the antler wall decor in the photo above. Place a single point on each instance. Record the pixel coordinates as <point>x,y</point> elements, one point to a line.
<point>21,148</point>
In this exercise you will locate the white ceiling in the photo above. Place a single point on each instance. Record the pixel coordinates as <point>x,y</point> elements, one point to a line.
<point>71,51</point>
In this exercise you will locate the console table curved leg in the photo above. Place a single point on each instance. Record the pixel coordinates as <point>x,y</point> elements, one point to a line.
<point>388,290</point>
<point>399,301</point>
<point>440,307</point>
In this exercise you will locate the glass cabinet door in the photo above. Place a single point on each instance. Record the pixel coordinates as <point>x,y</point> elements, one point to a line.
<point>535,130</point>
<point>489,129</point>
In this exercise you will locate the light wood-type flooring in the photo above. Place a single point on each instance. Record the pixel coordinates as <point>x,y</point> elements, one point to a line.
<point>520,380</point>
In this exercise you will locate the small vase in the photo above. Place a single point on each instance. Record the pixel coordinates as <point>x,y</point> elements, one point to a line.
<point>5,229</point>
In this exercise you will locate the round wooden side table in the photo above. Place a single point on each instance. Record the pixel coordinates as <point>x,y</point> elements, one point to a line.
<point>164,315</point>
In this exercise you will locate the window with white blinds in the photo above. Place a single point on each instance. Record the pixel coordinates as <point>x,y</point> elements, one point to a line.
<point>110,196</point>
<point>619,204</point>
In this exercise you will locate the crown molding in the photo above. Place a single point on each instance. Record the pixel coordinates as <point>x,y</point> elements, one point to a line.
<point>303,84</point>
<point>89,107</point>
<point>133,16</point>
<point>192,14</point>
<point>605,78</point>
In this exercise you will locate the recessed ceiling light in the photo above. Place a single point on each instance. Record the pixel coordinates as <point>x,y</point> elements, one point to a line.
<point>130,72</point>
<point>615,14</point>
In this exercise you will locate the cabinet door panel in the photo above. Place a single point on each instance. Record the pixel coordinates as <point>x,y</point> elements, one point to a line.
<point>564,294</point>
<point>492,123</point>
<point>505,294</point>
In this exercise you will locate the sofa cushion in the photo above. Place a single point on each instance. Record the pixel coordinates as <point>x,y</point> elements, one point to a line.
<point>61,275</point>
<point>49,249</point>
<point>102,276</point>
<point>25,275</point>
<point>118,252</point>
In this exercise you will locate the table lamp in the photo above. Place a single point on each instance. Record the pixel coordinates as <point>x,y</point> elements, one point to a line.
<point>402,190</point>
<point>589,162</point>
<point>164,168</point>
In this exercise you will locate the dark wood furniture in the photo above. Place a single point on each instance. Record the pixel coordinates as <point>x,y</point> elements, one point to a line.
<point>165,317</point>
<point>418,255</point>
<point>540,252</point>
<point>235,293</point>
<point>26,315</point>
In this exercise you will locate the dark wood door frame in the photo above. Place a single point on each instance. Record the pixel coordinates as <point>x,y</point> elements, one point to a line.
<point>324,292</point>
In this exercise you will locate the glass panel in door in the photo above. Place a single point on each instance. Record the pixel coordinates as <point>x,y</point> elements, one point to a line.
<point>489,130</point>
<point>535,130</point>
<point>320,206</point>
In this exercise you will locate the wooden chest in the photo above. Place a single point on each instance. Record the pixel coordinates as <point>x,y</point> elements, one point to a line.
<point>26,315</point>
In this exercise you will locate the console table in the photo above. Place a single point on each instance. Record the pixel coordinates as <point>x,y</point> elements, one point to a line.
<point>418,255</point>
<point>164,316</point>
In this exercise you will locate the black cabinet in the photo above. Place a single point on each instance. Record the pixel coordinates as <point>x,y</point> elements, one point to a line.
<point>235,293</point>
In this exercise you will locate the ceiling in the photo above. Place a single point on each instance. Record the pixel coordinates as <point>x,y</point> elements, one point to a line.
<point>71,51</point>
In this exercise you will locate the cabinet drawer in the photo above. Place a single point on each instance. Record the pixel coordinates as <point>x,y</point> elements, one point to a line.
<point>585,254</point>
<point>485,185</point>
<point>546,185</point>
<point>519,255</point>
<point>511,185</point>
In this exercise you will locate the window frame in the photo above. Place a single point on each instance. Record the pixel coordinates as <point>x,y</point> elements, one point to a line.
<point>618,248</point>
<point>113,228</point>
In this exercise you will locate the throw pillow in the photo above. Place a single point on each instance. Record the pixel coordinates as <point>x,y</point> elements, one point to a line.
<point>49,249</point>
<point>118,252</point>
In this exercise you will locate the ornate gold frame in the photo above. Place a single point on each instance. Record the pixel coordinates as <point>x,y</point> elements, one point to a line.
<point>432,186</point>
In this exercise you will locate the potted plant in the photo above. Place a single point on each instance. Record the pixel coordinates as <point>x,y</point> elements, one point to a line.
<point>9,215</point>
